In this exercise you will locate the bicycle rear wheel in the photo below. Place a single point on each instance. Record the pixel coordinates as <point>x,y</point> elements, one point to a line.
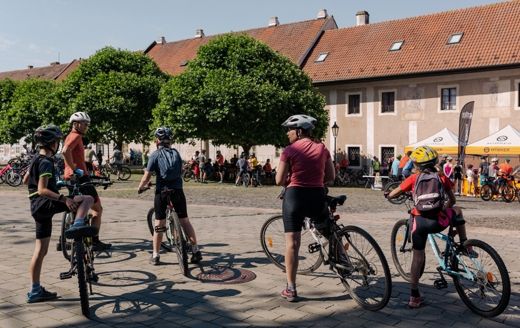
<point>150,219</point>
<point>272,239</point>
<point>401,248</point>
<point>180,243</point>
<point>82,277</point>
<point>13,179</point>
<point>364,270</point>
<point>125,173</point>
<point>508,193</point>
<point>489,292</point>
<point>66,222</point>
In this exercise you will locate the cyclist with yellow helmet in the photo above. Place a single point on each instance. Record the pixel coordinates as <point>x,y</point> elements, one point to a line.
<point>435,218</point>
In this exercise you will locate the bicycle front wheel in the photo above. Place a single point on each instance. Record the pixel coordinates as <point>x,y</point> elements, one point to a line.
<point>82,277</point>
<point>272,239</point>
<point>125,173</point>
<point>363,268</point>
<point>486,192</point>
<point>488,293</point>
<point>508,193</point>
<point>399,199</point>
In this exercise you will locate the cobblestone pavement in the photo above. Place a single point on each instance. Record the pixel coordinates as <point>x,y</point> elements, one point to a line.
<point>132,293</point>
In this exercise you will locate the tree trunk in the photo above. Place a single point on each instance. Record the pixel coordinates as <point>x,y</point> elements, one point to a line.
<point>246,149</point>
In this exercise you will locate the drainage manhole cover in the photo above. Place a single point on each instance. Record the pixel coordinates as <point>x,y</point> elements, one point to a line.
<point>226,275</point>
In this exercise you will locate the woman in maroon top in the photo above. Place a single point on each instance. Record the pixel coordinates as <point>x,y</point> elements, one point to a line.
<point>305,166</point>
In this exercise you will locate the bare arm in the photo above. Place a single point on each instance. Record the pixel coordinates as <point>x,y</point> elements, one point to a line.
<point>145,180</point>
<point>394,193</point>
<point>330,172</point>
<point>281,174</point>
<point>46,192</point>
<point>67,157</point>
<point>26,178</point>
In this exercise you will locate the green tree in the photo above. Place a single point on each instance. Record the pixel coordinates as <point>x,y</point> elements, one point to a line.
<point>118,89</point>
<point>7,89</point>
<point>30,107</point>
<point>238,91</point>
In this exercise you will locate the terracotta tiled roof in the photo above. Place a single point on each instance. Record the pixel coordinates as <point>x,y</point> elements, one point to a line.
<point>491,38</point>
<point>292,40</point>
<point>54,71</point>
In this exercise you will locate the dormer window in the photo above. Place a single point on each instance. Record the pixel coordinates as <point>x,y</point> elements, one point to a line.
<point>455,38</point>
<point>184,63</point>
<point>396,46</point>
<point>321,57</point>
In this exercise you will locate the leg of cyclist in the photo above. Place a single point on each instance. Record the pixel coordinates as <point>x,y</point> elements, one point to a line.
<point>179,203</point>
<point>160,203</point>
<point>292,248</point>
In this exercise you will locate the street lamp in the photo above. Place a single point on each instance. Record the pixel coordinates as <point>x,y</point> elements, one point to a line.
<point>335,130</point>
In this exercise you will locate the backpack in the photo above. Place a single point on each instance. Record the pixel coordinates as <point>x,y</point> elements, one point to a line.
<point>429,194</point>
<point>166,160</point>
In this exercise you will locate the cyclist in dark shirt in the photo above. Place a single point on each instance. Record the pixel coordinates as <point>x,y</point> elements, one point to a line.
<point>177,197</point>
<point>46,201</point>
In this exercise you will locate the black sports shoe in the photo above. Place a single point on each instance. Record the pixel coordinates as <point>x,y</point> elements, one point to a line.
<point>196,257</point>
<point>155,260</point>
<point>99,246</point>
<point>41,296</point>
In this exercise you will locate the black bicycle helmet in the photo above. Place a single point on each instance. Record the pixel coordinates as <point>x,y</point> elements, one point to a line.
<point>300,121</point>
<point>47,135</point>
<point>163,133</point>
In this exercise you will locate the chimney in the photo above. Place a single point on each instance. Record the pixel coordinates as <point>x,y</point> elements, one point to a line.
<point>361,18</point>
<point>322,14</point>
<point>273,21</point>
<point>199,33</point>
<point>161,40</point>
<point>55,63</point>
<point>30,66</point>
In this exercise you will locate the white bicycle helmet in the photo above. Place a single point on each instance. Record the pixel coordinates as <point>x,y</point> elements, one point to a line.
<point>79,117</point>
<point>300,121</point>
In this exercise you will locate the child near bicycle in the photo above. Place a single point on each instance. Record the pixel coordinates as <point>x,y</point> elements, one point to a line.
<point>431,214</point>
<point>166,162</point>
<point>46,201</point>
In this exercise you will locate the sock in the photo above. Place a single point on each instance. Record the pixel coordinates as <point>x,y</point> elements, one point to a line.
<point>154,254</point>
<point>415,293</point>
<point>194,249</point>
<point>35,288</point>
<point>79,221</point>
<point>291,286</point>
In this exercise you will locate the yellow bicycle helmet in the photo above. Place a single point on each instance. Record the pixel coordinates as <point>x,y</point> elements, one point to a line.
<point>424,156</point>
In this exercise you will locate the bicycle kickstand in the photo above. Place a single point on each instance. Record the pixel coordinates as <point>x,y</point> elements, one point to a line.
<point>440,283</point>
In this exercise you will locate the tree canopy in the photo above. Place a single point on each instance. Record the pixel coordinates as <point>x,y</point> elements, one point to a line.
<point>27,106</point>
<point>118,89</point>
<point>238,91</point>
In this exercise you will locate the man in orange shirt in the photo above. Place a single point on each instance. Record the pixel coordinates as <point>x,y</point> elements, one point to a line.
<point>73,155</point>
<point>506,168</point>
<point>403,162</point>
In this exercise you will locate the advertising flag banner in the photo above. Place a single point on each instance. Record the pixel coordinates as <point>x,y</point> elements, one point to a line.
<point>465,118</point>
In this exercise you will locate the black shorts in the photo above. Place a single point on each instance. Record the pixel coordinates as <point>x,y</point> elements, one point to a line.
<point>301,202</point>
<point>88,190</point>
<point>42,210</point>
<point>178,200</point>
<point>422,226</point>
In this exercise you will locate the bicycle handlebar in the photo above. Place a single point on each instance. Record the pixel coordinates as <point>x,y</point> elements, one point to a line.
<point>72,184</point>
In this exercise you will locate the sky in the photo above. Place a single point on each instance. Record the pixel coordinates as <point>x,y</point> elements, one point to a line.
<point>38,32</point>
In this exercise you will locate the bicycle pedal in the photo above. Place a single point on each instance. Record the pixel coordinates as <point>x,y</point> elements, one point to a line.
<point>58,247</point>
<point>314,247</point>
<point>65,275</point>
<point>440,284</point>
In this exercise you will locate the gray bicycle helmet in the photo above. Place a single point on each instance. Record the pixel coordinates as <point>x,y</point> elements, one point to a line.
<point>163,133</point>
<point>47,135</point>
<point>300,121</point>
<point>79,117</point>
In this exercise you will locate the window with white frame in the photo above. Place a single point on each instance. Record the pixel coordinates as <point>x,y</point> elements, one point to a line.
<point>388,102</point>
<point>448,98</point>
<point>354,156</point>
<point>354,104</point>
<point>387,152</point>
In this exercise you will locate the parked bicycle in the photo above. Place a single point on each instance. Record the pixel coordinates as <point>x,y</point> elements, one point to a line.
<point>10,176</point>
<point>480,276</point>
<point>79,252</point>
<point>349,251</point>
<point>122,171</point>
<point>492,189</point>
<point>176,238</point>
<point>243,180</point>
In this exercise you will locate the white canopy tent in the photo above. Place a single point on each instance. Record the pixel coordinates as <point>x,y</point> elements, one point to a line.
<point>444,142</point>
<point>503,142</point>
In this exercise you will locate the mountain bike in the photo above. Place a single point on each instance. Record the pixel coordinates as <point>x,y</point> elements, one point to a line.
<point>80,254</point>
<point>122,172</point>
<point>10,176</point>
<point>349,251</point>
<point>491,189</point>
<point>176,237</point>
<point>480,275</point>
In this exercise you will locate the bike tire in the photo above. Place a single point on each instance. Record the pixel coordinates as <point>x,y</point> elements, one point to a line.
<point>486,282</point>
<point>82,277</point>
<point>65,245</point>
<point>181,244</point>
<point>272,239</point>
<point>13,179</point>
<point>399,199</point>
<point>508,194</point>
<point>369,281</point>
<point>187,176</point>
<point>125,173</point>
<point>401,249</point>
<point>486,192</point>
<point>245,180</point>
<point>150,219</point>
<point>2,178</point>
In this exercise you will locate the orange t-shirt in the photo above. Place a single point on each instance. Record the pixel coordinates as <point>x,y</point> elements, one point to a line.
<point>403,161</point>
<point>506,168</point>
<point>74,141</point>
